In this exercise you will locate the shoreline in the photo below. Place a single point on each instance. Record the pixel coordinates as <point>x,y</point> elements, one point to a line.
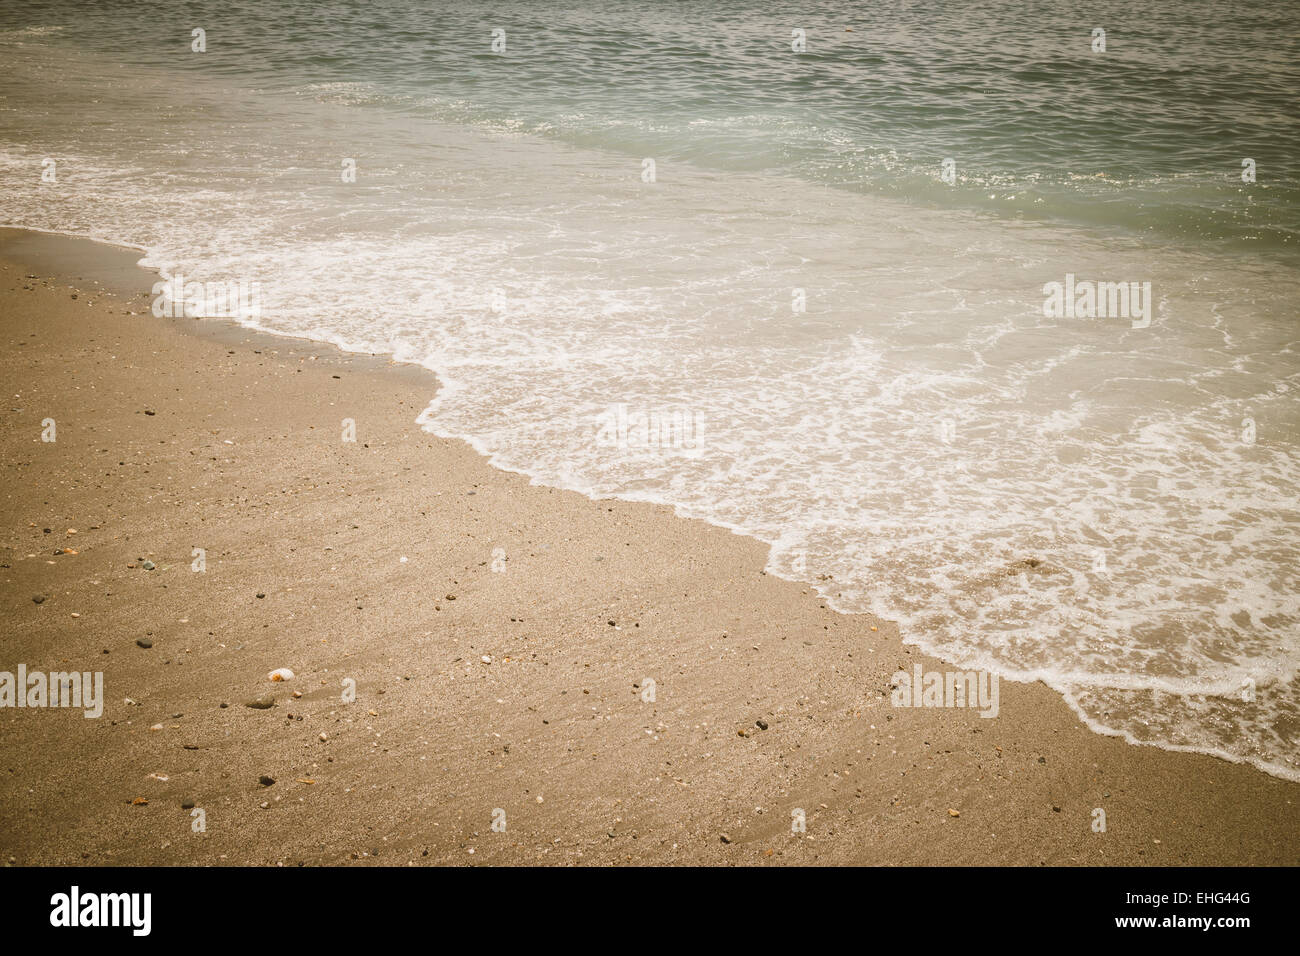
<point>558,713</point>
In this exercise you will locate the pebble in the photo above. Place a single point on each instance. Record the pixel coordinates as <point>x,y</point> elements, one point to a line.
<point>265,781</point>
<point>144,642</point>
<point>725,838</point>
<point>148,565</point>
<point>265,702</point>
<point>187,804</point>
<point>761,724</point>
<point>39,599</point>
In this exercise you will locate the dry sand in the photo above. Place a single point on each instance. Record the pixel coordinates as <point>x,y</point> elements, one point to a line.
<point>174,435</point>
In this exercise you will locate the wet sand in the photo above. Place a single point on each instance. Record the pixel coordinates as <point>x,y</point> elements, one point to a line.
<point>401,562</point>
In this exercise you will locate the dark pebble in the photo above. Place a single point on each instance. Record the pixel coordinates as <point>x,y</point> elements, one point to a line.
<point>144,642</point>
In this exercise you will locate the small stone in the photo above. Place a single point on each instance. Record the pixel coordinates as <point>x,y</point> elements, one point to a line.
<point>323,736</point>
<point>451,597</point>
<point>1042,760</point>
<point>144,642</point>
<point>953,813</point>
<point>187,804</point>
<point>39,599</point>
<point>265,781</point>
<point>761,724</point>
<point>148,565</point>
<point>265,702</point>
<point>261,594</point>
<point>725,838</point>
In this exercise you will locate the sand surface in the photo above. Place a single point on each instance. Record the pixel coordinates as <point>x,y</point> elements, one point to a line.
<point>399,562</point>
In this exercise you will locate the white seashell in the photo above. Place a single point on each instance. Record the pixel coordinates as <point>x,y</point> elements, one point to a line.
<point>280,673</point>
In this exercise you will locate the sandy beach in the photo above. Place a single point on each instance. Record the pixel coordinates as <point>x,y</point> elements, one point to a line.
<point>501,636</point>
